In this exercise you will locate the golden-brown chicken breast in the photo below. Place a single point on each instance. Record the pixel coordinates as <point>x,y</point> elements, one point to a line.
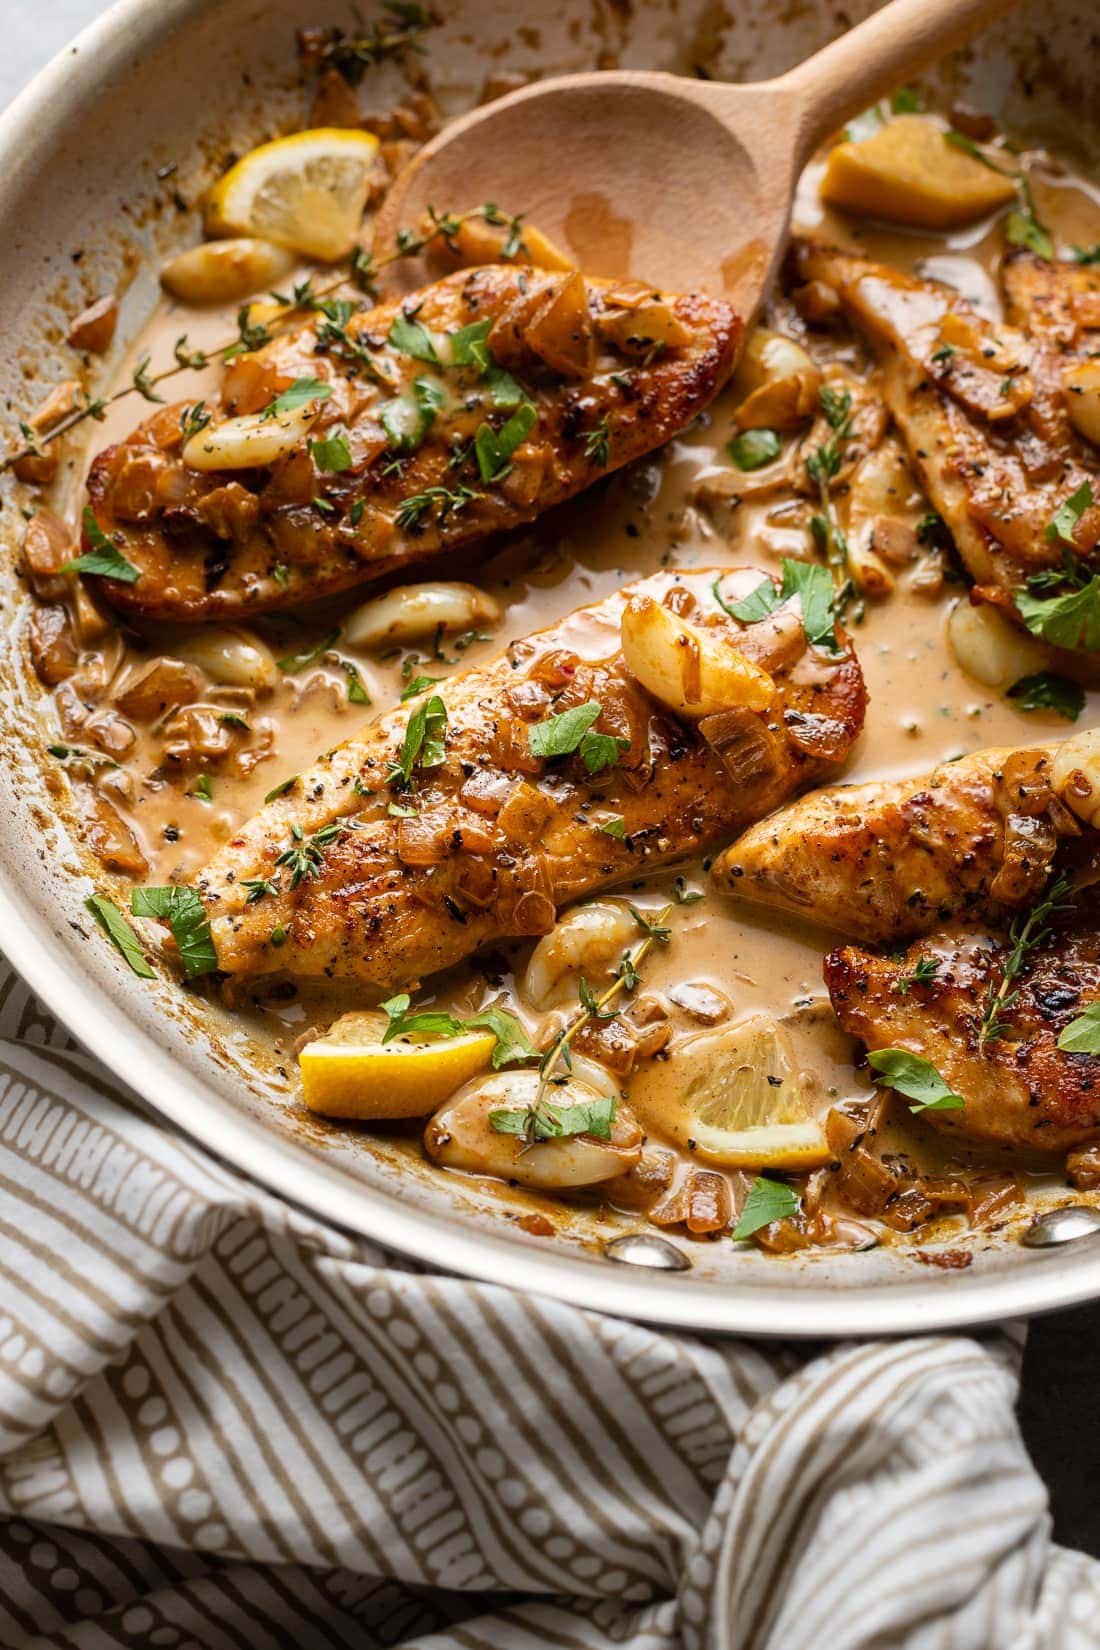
<point>983,409</point>
<point>1058,301</point>
<point>472,406</point>
<point>470,815</point>
<point>1019,1088</point>
<point>885,861</point>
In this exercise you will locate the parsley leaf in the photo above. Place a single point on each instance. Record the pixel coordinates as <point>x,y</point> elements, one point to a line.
<point>1063,523</point>
<point>816,595</point>
<point>512,1045</point>
<point>333,454</point>
<point>104,558</point>
<point>494,448</point>
<point>504,390</point>
<point>120,934</point>
<point>547,1121</point>
<point>419,685</point>
<point>768,1200</point>
<point>1046,690</point>
<point>561,735</point>
<point>423,743</point>
<point>357,693</point>
<point>1071,621</point>
<point>601,750</point>
<point>412,338</point>
<point>408,418</point>
<point>183,911</point>
<point>295,662</point>
<point>914,1077</point>
<point>614,827</point>
<point>469,346</point>
<point>752,449</point>
<point>570,731</point>
<point>1082,1036</point>
<point>302,391</point>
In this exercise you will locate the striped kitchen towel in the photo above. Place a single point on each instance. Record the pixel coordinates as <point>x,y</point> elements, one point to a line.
<point>224,1424</point>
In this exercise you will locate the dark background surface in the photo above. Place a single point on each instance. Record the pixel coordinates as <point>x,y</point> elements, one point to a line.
<point>1058,1401</point>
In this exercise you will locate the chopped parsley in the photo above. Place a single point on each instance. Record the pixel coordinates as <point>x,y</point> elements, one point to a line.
<point>547,1121</point>
<point>333,454</point>
<point>104,558</point>
<point>419,685</point>
<point>816,596</point>
<point>512,1045</point>
<point>413,338</point>
<point>298,394</point>
<point>494,448</point>
<point>1046,690</point>
<point>294,662</point>
<point>570,731</point>
<point>768,1200</point>
<point>357,693</point>
<point>1063,524</point>
<point>120,934</point>
<point>1082,1036</point>
<point>423,745</point>
<point>752,449</point>
<point>183,911</point>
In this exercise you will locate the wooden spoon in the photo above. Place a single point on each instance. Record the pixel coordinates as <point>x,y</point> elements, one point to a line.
<point>686,183</point>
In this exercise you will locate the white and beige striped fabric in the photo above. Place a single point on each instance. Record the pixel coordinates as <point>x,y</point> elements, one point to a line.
<point>225,1425</point>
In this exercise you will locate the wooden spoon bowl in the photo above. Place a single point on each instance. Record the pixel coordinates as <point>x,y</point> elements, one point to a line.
<point>685,183</point>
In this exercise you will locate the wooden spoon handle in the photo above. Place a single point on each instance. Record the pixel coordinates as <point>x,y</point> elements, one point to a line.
<point>877,56</point>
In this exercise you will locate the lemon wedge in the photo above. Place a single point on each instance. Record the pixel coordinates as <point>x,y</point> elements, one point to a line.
<point>734,1096</point>
<point>306,192</point>
<point>350,1072</point>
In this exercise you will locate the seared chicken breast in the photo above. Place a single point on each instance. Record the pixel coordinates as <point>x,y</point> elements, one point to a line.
<point>982,406</point>
<point>1055,301</point>
<point>471,815</point>
<point>472,406</point>
<point>1020,1090</point>
<point>891,859</point>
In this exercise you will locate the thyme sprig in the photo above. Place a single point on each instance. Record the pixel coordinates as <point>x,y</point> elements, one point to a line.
<point>627,978</point>
<point>822,466</point>
<point>251,335</point>
<point>351,55</point>
<point>1026,935</point>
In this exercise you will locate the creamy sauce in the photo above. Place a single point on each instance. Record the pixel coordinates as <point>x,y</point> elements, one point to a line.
<point>923,709</point>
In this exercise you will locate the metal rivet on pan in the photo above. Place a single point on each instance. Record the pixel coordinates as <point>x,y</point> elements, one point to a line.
<point>1064,1225</point>
<point>647,1249</point>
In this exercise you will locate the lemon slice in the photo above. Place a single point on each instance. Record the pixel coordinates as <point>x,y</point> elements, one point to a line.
<point>306,192</point>
<point>734,1097</point>
<point>350,1072</point>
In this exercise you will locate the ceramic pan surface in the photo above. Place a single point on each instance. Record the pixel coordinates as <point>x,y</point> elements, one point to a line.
<point>158,83</point>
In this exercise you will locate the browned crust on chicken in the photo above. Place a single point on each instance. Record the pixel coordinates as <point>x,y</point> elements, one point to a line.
<point>1020,1089</point>
<point>891,859</point>
<point>501,838</point>
<point>1056,301</point>
<point>981,408</point>
<point>225,545</point>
